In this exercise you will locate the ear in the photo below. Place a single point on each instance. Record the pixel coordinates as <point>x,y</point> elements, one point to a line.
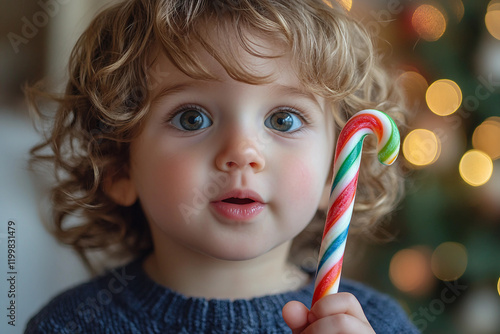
<point>120,188</point>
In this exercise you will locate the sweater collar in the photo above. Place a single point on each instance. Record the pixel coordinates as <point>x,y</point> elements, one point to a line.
<point>194,314</point>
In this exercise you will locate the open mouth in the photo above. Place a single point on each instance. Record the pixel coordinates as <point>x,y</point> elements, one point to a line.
<point>238,206</point>
<point>240,201</point>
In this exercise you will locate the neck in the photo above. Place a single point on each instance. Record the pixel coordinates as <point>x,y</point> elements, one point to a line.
<point>197,275</point>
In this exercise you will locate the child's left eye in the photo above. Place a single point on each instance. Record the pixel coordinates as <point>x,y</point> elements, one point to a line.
<point>283,121</point>
<point>191,119</point>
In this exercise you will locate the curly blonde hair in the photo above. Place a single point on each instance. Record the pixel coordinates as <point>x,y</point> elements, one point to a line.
<point>108,96</point>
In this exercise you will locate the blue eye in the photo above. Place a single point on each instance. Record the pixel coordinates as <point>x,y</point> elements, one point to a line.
<point>191,119</point>
<point>283,121</point>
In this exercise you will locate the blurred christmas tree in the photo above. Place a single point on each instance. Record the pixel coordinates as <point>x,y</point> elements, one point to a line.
<point>444,265</point>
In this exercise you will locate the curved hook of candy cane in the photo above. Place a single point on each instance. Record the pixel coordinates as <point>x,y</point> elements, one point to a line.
<point>345,178</point>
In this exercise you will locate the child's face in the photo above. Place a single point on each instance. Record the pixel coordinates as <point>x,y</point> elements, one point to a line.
<point>206,143</point>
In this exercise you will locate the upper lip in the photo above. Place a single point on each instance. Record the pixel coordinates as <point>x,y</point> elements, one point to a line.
<point>241,194</point>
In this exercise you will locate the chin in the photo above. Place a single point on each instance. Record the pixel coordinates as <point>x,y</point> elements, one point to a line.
<point>237,253</point>
<point>237,256</point>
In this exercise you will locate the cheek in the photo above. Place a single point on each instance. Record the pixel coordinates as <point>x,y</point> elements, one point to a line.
<point>300,180</point>
<point>304,183</point>
<point>164,184</point>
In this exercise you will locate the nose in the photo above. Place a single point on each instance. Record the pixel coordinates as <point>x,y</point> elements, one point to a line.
<point>240,152</point>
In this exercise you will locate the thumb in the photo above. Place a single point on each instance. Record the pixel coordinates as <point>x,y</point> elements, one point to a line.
<point>295,315</point>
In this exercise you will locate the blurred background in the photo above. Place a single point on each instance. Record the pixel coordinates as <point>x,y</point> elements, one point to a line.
<point>443,264</point>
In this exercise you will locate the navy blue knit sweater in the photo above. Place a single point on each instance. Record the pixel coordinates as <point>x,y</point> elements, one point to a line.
<point>126,300</point>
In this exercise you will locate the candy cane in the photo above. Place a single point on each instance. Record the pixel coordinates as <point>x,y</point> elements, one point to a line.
<point>345,178</point>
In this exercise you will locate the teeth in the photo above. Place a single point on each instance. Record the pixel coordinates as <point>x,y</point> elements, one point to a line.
<point>234,200</point>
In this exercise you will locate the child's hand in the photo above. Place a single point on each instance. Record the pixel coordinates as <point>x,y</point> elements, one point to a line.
<point>332,314</point>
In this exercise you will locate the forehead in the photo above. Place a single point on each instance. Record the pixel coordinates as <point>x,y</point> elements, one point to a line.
<point>262,70</point>
<point>246,57</point>
<point>211,49</point>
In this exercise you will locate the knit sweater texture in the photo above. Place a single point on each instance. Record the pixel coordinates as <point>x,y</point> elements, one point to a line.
<point>126,300</point>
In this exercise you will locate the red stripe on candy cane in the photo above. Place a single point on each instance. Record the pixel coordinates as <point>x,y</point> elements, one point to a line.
<point>341,204</point>
<point>328,281</point>
<point>362,121</point>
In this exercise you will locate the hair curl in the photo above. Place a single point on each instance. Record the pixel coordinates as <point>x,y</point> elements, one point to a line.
<point>107,97</point>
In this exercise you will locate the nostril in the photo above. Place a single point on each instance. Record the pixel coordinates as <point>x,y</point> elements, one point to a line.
<point>230,161</point>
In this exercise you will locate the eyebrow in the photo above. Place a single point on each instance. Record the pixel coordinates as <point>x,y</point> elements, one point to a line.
<point>292,90</point>
<point>283,89</point>
<point>168,90</point>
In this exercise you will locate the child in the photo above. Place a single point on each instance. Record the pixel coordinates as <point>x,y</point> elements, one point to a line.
<point>197,137</point>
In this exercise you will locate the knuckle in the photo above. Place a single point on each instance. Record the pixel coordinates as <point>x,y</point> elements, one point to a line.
<point>349,298</point>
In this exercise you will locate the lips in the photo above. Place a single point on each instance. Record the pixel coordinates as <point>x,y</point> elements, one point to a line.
<point>238,205</point>
<point>240,201</point>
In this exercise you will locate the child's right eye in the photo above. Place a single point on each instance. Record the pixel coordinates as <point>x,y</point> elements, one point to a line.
<point>191,118</point>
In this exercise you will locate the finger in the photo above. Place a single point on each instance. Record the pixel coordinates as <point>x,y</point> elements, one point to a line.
<point>295,315</point>
<point>339,324</point>
<point>338,303</point>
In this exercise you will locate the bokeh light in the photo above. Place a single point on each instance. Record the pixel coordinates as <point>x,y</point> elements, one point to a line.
<point>347,4</point>
<point>493,5</point>
<point>449,261</point>
<point>410,272</point>
<point>476,167</point>
<point>498,286</point>
<point>458,9</point>
<point>429,22</point>
<point>421,147</point>
<point>486,137</point>
<point>328,3</point>
<point>443,97</point>
<point>492,19</point>
<point>478,311</point>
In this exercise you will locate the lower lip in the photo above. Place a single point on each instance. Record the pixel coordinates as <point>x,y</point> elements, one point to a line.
<point>240,212</point>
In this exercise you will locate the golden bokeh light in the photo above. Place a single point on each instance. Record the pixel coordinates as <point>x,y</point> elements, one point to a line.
<point>347,4</point>
<point>476,167</point>
<point>449,261</point>
<point>421,147</point>
<point>493,5</point>
<point>409,270</point>
<point>486,137</point>
<point>492,20</point>
<point>429,22</point>
<point>443,97</point>
<point>498,286</point>
<point>458,9</point>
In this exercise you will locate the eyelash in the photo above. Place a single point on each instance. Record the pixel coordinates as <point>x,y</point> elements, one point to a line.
<point>183,108</point>
<point>291,109</point>
<point>297,112</point>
